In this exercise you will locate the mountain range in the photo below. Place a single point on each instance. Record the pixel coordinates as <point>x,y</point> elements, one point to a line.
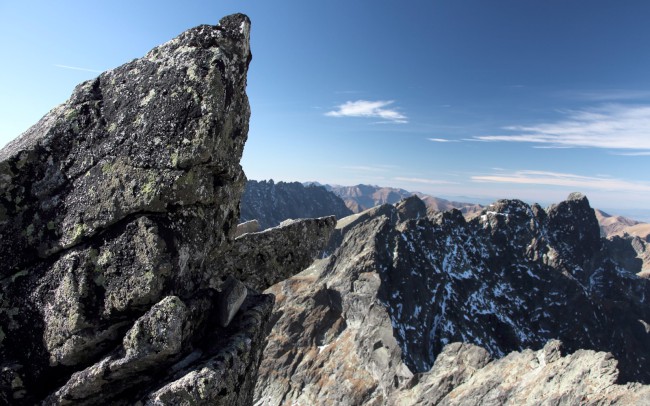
<point>400,285</point>
<point>126,279</point>
<point>271,203</point>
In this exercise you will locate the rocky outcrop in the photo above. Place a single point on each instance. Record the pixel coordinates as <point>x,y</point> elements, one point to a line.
<point>265,258</point>
<point>271,203</point>
<point>118,212</point>
<point>361,325</point>
<point>462,375</point>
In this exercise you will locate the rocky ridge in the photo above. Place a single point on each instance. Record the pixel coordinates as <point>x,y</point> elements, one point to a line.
<point>271,203</point>
<point>118,212</point>
<point>368,322</point>
<point>463,374</point>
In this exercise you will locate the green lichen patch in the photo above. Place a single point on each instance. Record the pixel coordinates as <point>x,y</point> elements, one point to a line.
<point>78,231</point>
<point>107,168</point>
<point>71,114</point>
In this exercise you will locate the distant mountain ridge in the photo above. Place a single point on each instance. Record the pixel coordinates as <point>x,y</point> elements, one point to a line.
<point>614,225</point>
<point>627,234</point>
<point>362,197</point>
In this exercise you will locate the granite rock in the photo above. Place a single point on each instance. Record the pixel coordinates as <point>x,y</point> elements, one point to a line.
<point>366,322</point>
<point>118,211</point>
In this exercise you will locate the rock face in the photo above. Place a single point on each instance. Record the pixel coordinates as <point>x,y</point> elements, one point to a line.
<point>117,212</point>
<point>462,375</point>
<point>361,325</point>
<point>272,203</point>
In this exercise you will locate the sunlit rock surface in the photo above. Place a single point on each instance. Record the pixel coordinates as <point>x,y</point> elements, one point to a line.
<point>362,325</point>
<point>117,212</point>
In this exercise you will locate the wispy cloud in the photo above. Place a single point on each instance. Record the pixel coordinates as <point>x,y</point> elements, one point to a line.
<point>77,68</point>
<point>425,181</point>
<point>441,140</point>
<point>578,182</point>
<point>371,109</point>
<point>613,126</point>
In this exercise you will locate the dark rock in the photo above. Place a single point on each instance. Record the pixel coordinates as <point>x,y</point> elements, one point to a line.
<point>267,257</point>
<point>272,203</point>
<point>396,289</point>
<point>117,213</point>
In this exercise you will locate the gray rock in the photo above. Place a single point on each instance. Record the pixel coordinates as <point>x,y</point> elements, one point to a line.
<point>372,319</point>
<point>271,203</point>
<point>118,211</point>
<point>461,376</point>
<point>232,295</point>
<point>251,226</point>
<point>267,257</point>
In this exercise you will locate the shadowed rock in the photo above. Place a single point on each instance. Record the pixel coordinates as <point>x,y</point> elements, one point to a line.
<point>233,293</point>
<point>271,203</point>
<point>118,210</point>
<point>363,324</point>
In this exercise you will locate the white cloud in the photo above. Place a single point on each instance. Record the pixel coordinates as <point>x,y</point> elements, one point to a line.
<point>612,126</point>
<point>441,140</point>
<point>366,108</point>
<point>78,68</point>
<point>577,182</point>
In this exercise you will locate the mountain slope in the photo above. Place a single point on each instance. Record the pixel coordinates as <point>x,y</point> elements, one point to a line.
<point>271,203</point>
<point>613,225</point>
<point>627,235</point>
<point>356,326</point>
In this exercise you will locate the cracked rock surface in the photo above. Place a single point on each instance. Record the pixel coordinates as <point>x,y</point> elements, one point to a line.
<point>117,212</point>
<point>381,318</point>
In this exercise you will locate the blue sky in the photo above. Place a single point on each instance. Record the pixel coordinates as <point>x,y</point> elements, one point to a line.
<point>466,99</point>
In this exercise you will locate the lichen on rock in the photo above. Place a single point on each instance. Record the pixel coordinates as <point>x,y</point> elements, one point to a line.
<point>117,211</point>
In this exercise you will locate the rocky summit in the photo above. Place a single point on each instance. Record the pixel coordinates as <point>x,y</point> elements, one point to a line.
<point>122,282</point>
<point>379,320</point>
<point>126,279</point>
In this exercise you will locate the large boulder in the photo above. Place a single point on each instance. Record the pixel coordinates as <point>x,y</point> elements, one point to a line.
<point>117,212</point>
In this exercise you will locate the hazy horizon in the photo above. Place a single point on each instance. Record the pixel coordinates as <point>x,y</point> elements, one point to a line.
<point>503,99</point>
